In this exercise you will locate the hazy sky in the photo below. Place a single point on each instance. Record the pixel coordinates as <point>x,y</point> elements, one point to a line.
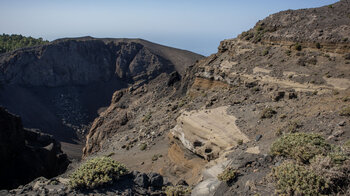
<point>196,25</point>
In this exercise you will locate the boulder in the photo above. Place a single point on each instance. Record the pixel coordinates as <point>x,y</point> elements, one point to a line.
<point>156,180</point>
<point>142,180</point>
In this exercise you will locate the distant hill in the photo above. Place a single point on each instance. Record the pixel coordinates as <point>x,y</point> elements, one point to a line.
<point>14,41</point>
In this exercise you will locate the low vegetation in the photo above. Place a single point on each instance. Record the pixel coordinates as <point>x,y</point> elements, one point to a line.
<point>293,126</point>
<point>315,168</point>
<point>288,52</point>
<point>156,157</point>
<point>347,144</point>
<point>178,190</point>
<point>147,117</point>
<point>143,146</point>
<point>268,113</point>
<point>13,42</point>
<point>318,45</point>
<point>335,170</point>
<point>346,99</point>
<point>228,175</point>
<point>293,179</point>
<point>297,47</point>
<point>265,52</point>
<point>300,146</point>
<point>97,172</point>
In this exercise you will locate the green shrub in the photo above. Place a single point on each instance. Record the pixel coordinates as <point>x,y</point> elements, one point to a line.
<point>247,35</point>
<point>259,28</point>
<point>240,142</point>
<point>267,113</point>
<point>297,47</point>
<point>279,132</point>
<point>346,99</point>
<point>336,173</point>
<point>293,126</point>
<point>347,144</point>
<point>322,168</point>
<point>318,45</point>
<point>300,146</point>
<point>97,172</point>
<point>178,190</point>
<point>288,52</point>
<point>147,117</point>
<point>265,52</point>
<point>228,175</point>
<point>293,179</point>
<point>156,157</point>
<point>255,89</point>
<point>338,157</point>
<point>181,103</point>
<point>143,146</point>
<point>345,111</point>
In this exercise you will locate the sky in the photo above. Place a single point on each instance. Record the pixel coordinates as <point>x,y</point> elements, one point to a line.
<point>195,25</point>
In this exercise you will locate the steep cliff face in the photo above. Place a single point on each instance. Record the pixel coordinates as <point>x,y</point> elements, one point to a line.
<point>60,87</point>
<point>86,60</point>
<point>26,154</point>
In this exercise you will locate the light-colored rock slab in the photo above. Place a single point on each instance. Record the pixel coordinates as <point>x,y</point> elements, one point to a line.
<point>293,74</point>
<point>208,132</point>
<point>261,70</point>
<point>206,187</point>
<point>227,65</point>
<point>253,150</point>
<point>338,83</point>
<point>215,170</point>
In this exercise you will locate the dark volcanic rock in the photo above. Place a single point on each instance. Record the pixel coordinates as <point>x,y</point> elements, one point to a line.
<point>156,180</point>
<point>278,96</point>
<point>26,154</point>
<point>174,77</point>
<point>142,180</point>
<point>84,61</point>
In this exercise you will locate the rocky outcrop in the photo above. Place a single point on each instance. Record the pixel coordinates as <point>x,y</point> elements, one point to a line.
<point>135,108</point>
<point>208,132</point>
<point>26,154</point>
<point>325,27</point>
